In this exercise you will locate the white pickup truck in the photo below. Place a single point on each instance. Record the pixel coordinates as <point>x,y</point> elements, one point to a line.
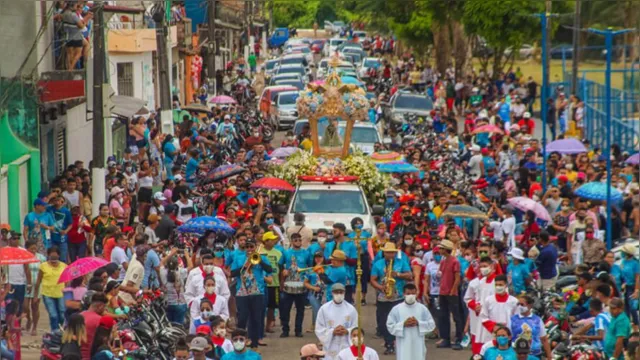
<point>328,201</point>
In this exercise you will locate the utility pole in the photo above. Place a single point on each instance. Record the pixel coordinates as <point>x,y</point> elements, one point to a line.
<point>211,47</point>
<point>608,40</point>
<point>159,16</point>
<point>576,48</point>
<point>270,16</point>
<point>98,170</point>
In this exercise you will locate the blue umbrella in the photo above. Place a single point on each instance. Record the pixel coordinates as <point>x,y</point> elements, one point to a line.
<point>598,191</point>
<point>223,172</point>
<point>202,224</point>
<point>350,80</point>
<point>396,167</point>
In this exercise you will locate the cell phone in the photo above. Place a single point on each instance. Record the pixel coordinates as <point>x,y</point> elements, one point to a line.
<point>117,343</point>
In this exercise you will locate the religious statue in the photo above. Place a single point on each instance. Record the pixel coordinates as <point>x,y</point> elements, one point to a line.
<point>331,137</point>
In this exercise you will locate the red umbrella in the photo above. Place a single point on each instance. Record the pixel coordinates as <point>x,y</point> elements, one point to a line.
<point>271,183</point>
<point>488,129</point>
<point>16,256</point>
<point>81,267</point>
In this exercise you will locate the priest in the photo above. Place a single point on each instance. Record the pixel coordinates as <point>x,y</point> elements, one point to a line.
<point>335,321</point>
<point>357,341</point>
<point>409,322</point>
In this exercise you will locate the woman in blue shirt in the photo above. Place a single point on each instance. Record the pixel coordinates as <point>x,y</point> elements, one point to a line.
<point>170,152</point>
<point>615,271</point>
<point>630,278</point>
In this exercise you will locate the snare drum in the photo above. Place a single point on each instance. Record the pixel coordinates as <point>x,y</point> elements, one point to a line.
<point>294,287</point>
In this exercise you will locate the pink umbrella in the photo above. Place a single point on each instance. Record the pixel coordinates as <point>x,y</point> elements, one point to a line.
<point>81,267</point>
<point>318,82</point>
<point>525,204</point>
<point>488,129</point>
<point>222,99</point>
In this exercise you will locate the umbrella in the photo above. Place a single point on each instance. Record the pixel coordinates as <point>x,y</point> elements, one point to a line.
<point>81,267</point>
<point>350,80</point>
<point>598,191</point>
<point>223,172</point>
<point>222,99</point>
<point>197,108</point>
<point>396,167</point>
<point>284,152</point>
<point>16,256</point>
<point>271,183</point>
<point>633,159</point>
<point>202,224</point>
<point>386,156</point>
<point>525,204</point>
<point>566,146</point>
<point>464,211</point>
<point>318,82</point>
<point>488,129</point>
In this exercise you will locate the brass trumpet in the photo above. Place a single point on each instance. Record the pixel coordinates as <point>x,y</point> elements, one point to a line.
<point>310,268</point>
<point>255,257</point>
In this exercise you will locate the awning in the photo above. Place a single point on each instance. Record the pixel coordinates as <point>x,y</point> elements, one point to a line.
<point>228,25</point>
<point>127,106</point>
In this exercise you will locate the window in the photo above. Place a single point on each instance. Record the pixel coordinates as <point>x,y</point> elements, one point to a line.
<point>125,79</point>
<point>332,202</point>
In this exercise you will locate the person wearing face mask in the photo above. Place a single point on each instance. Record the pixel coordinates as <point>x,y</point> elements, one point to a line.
<point>51,290</point>
<point>240,351</point>
<point>294,258</point>
<point>341,243</point>
<point>593,249</point>
<point>204,315</point>
<point>574,245</point>
<point>378,240</point>
<point>479,289</point>
<point>115,205</point>
<point>321,242</point>
<point>357,341</point>
<point>335,319</point>
<point>386,300</point>
<point>357,225</point>
<point>221,345</point>
<point>218,306</point>
<point>525,322</point>
<point>500,348</point>
<point>497,309</point>
<point>519,271</point>
<point>409,321</point>
<point>194,286</point>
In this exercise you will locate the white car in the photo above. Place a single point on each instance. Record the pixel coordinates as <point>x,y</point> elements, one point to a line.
<point>301,49</point>
<point>325,203</point>
<point>332,45</point>
<point>525,51</point>
<point>368,63</point>
<point>323,67</point>
<point>270,67</point>
<point>364,135</point>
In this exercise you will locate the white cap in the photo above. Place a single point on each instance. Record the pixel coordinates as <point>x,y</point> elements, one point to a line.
<point>483,114</point>
<point>178,177</point>
<point>159,196</point>
<point>517,253</point>
<point>526,115</point>
<point>475,148</point>
<point>227,117</point>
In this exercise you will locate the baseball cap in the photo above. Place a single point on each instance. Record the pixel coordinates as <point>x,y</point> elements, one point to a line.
<point>111,164</point>
<point>269,235</point>
<point>198,344</point>
<point>178,177</point>
<point>522,346</point>
<point>159,196</point>
<point>203,329</point>
<point>39,202</point>
<point>43,193</point>
<point>311,350</point>
<point>337,287</point>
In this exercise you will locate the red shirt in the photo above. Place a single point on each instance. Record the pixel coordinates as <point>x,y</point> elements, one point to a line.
<point>108,248</point>
<point>91,323</point>
<point>76,237</point>
<point>449,267</point>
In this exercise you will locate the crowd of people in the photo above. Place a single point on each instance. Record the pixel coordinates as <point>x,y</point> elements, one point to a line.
<point>423,267</point>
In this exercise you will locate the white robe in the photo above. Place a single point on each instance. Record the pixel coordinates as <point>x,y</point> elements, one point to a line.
<point>410,341</point>
<point>498,312</point>
<point>369,354</point>
<point>479,289</point>
<point>194,287</point>
<point>330,316</point>
<point>220,308</point>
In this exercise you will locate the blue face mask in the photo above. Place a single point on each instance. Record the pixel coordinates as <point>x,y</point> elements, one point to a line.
<point>270,221</point>
<point>219,254</point>
<point>358,226</point>
<point>437,258</point>
<point>503,340</point>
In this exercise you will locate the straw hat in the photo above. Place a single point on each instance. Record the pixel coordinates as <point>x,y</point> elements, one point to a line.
<point>446,244</point>
<point>389,246</point>
<point>338,255</point>
<point>629,249</point>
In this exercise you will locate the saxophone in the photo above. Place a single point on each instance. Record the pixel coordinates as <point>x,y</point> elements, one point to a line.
<point>390,282</point>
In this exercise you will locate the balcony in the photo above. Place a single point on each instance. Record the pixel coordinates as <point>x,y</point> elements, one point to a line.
<point>136,40</point>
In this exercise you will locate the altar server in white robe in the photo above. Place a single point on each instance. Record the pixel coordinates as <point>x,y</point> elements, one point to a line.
<point>336,319</point>
<point>409,322</point>
<point>351,353</point>
<point>497,309</point>
<point>480,288</point>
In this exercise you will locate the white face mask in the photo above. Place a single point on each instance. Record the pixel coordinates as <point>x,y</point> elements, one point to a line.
<point>410,299</point>
<point>338,298</point>
<point>355,341</point>
<point>408,242</point>
<point>238,345</point>
<point>208,268</point>
<point>210,289</point>
<point>485,271</point>
<point>523,309</point>
<point>500,289</point>
<point>205,315</point>
<point>322,240</point>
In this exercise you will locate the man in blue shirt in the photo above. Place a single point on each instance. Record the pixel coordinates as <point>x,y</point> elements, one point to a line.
<point>294,292</point>
<point>547,261</point>
<point>151,265</point>
<point>63,221</point>
<point>38,225</point>
<point>340,242</point>
<point>240,351</point>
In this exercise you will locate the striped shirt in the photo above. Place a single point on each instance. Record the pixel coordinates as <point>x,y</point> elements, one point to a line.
<point>34,268</point>
<point>601,322</point>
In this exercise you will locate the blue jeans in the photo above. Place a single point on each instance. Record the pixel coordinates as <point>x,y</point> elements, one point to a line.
<point>5,353</point>
<point>17,294</point>
<point>63,248</point>
<point>77,251</point>
<point>176,313</point>
<point>315,306</point>
<point>55,308</point>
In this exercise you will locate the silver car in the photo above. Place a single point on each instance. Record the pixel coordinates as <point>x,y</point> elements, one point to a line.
<point>286,112</point>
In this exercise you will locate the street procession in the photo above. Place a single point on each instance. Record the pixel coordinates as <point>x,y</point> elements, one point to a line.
<point>271,179</point>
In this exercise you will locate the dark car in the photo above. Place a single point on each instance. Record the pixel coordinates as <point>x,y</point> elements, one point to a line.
<point>556,52</point>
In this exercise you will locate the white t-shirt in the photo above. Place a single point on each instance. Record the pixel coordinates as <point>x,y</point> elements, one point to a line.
<point>185,211</point>
<point>119,257</point>
<point>432,270</point>
<point>153,239</point>
<point>509,229</point>
<point>518,109</point>
<point>474,166</point>
<point>17,275</point>
<point>132,180</point>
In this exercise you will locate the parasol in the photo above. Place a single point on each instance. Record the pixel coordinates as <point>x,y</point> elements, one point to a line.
<point>222,99</point>
<point>350,80</point>
<point>386,156</point>
<point>464,211</point>
<point>598,191</point>
<point>396,167</point>
<point>525,204</point>
<point>284,152</point>
<point>81,267</point>
<point>488,129</point>
<point>271,183</point>
<point>197,108</point>
<point>633,159</point>
<point>566,146</point>
<point>202,224</point>
<point>16,256</point>
<point>223,172</point>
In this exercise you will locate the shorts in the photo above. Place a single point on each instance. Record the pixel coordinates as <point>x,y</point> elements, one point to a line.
<point>75,43</point>
<point>145,195</point>
<point>273,297</point>
<point>141,143</point>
